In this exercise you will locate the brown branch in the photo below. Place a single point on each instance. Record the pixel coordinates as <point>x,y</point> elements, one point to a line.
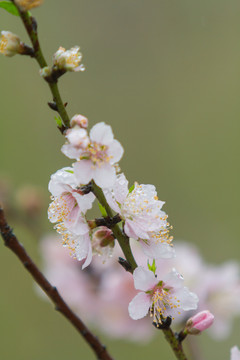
<point>13,244</point>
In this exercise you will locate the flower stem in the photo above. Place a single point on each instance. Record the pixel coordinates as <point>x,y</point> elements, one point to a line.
<point>31,27</point>
<point>175,344</point>
<point>119,235</point>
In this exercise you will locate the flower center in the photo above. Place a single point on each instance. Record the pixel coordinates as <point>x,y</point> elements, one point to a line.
<point>61,207</point>
<point>142,204</point>
<point>73,59</point>
<point>162,302</point>
<point>97,153</point>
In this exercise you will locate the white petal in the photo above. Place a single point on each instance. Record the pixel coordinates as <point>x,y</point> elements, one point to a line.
<point>71,151</point>
<point>174,279</point>
<point>101,133</point>
<point>144,279</point>
<point>88,258</point>
<point>188,300</point>
<point>76,223</point>
<point>84,201</point>
<point>104,176</point>
<point>235,353</point>
<point>111,201</point>
<point>121,188</point>
<point>82,250</point>
<point>159,250</point>
<point>133,229</point>
<point>83,171</point>
<point>129,230</point>
<point>139,306</point>
<point>115,150</point>
<point>62,181</point>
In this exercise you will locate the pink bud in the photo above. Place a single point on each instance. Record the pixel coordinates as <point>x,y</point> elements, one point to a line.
<point>199,322</point>
<point>79,120</point>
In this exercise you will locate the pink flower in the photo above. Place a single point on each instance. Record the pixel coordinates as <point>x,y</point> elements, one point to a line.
<point>97,159</point>
<point>165,297</point>
<point>235,353</point>
<point>199,322</point>
<point>143,218</point>
<point>68,206</point>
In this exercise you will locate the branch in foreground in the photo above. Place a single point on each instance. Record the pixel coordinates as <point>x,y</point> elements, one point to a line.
<point>13,244</point>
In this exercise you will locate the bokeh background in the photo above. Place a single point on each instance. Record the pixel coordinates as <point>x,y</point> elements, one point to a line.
<point>166,76</point>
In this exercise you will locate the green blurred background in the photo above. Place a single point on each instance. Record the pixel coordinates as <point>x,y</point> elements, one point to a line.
<point>166,75</point>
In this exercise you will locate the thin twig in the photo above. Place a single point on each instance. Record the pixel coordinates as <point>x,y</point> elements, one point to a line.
<point>31,28</point>
<point>175,344</point>
<point>13,244</point>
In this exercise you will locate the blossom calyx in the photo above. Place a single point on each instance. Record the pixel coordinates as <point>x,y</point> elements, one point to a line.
<point>199,322</point>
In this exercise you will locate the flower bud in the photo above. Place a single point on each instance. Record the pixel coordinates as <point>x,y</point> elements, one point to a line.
<point>68,60</point>
<point>45,71</point>
<point>25,5</point>
<point>79,120</point>
<point>103,236</point>
<point>199,322</point>
<point>10,44</point>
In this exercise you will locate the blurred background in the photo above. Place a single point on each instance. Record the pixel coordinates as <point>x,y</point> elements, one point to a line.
<point>166,76</point>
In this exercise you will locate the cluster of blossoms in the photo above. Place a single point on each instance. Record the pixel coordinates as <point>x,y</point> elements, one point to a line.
<point>108,290</point>
<point>96,154</point>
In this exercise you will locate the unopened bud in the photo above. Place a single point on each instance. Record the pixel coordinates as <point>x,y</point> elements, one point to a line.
<point>79,120</point>
<point>103,236</point>
<point>10,44</point>
<point>199,322</point>
<point>25,5</point>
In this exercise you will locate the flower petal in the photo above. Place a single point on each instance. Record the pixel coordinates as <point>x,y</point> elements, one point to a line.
<point>188,300</point>
<point>84,201</point>
<point>105,175</point>
<point>157,250</point>
<point>83,248</point>
<point>174,279</point>
<point>133,229</point>
<point>83,171</point>
<point>139,306</point>
<point>144,279</point>
<point>115,151</point>
<point>62,181</point>
<point>101,133</point>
